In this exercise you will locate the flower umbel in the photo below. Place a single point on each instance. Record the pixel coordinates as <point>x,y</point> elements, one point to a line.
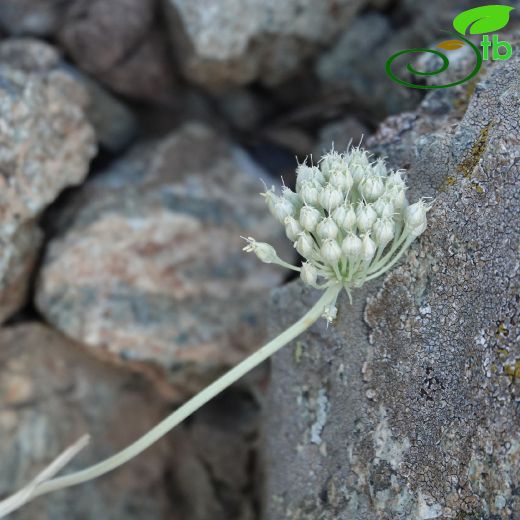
<point>349,218</point>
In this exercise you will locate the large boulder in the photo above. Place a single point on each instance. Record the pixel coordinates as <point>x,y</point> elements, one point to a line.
<point>235,42</point>
<point>408,406</point>
<point>51,393</point>
<point>147,262</point>
<point>46,144</point>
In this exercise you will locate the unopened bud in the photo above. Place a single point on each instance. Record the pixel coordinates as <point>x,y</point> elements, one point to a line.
<point>371,187</point>
<point>304,245</point>
<point>327,228</point>
<point>415,217</point>
<point>351,246</point>
<point>292,228</point>
<point>308,273</point>
<point>330,251</point>
<point>265,252</point>
<point>330,197</point>
<point>365,217</point>
<point>309,193</point>
<point>283,208</point>
<point>368,248</point>
<point>383,230</point>
<point>309,218</point>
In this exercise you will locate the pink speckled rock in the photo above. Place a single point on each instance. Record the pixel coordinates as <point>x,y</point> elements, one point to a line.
<point>148,263</point>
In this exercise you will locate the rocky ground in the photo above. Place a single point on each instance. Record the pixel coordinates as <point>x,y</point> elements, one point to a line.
<point>134,139</point>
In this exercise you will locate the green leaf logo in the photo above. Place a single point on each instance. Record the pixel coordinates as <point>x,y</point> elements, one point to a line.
<point>481,20</point>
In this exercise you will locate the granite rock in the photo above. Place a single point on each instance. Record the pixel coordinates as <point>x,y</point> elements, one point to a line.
<point>114,123</point>
<point>51,393</point>
<point>46,144</point>
<point>237,42</point>
<point>119,44</point>
<point>408,406</point>
<point>147,262</point>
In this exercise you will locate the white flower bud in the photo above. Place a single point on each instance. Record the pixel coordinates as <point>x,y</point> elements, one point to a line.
<point>341,179</point>
<point>283,208</point>
<point>371,187</point>
<point>358,172</point>
<point>368,248</point>
<point>304,245</point>
<point>330,313</point>
<point>365,217</point>
<point>327,228</point>
<point>292,197</point>
<point>292,228</point>
<point>308,273</point>
<point>383,230</point>
<point>270,198</point>
<point>351,246</point>
<point>330,162</point>
<point>357,156</point>
<point>415,218</point>
<point>330,197</point>
<point>383,207</point>
<point>330,251</point>
<point>395,180</point>
<point>398,197</point>
<point>309,193</point>
<point>303,173</point>
<point>379,168</point>
<point>345,217</point>
<point>265,252</point>
<point>309,218</point>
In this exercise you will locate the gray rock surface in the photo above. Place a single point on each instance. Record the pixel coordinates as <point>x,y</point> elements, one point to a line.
<point>408,406</point>
<point>114,124</point>
<point>147,263</point>
<point>235,42</point>
<point>34,17</point>
<point>119,44</point>
<point>46,144</point>
<point>52,392</point>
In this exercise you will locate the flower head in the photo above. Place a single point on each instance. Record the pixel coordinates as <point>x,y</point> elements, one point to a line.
<point>349,218</point>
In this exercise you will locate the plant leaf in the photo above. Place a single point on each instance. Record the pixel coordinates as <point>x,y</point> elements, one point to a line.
<point>481,20</point>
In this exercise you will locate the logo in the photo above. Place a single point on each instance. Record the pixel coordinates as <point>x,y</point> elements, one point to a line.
<point>480,20</point>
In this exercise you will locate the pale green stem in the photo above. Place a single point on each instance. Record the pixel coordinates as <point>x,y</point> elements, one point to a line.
<point>391,264</point>
<point>189,407</point>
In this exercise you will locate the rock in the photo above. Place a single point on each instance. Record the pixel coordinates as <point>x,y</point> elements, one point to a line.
<point>214,466</point>
<point>340,134</point>
<point>114,123</point>
<point>33,17</point>
<point>408,406</point>
<point>345,67</point>
<point>118,44</point>
<point>238,42</point>
<point>148,263</point>
<point>51,393</point>
<point>45,145</point>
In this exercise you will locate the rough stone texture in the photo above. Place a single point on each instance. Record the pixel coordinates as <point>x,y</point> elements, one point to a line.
<point>235,42</point>
<point>214,470</point>
<point>356,62</point>
<point>118,43</point>
<point>51,393</point>
<point>340,134</point>
<point>148,262</point>
<point>114,124</point>
<point>35,17</point>
<point>45,145</point>
<point>408,406</point>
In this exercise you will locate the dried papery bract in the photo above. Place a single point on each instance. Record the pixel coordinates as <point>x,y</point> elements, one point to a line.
<point>350,220</point>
